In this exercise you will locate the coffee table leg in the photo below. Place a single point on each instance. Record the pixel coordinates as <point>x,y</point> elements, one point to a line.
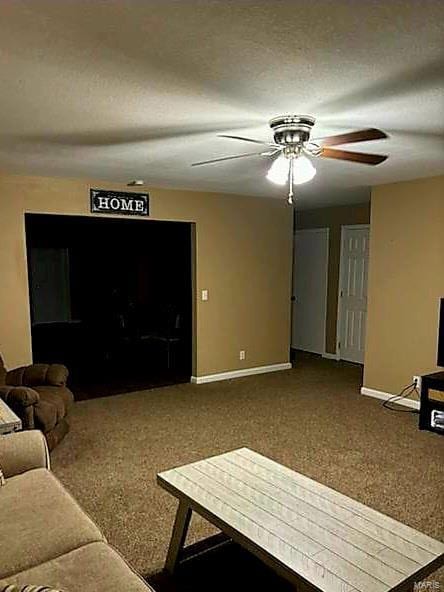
<point>178,536</point>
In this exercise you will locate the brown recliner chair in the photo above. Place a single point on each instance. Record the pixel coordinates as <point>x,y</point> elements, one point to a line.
<point>39,396</point>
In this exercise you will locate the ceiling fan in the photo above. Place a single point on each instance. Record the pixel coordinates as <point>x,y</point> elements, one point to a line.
<point>292,145</point>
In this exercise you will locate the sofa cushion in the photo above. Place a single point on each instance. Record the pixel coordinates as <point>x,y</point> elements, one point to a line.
<point>92,568</point>
<point>61,396</point>
<point>52,407</point>
<point>38,374</point>
<point>27,588</point>
<point>39,521</point>
<point>23,451</point>
<point>46,415</point>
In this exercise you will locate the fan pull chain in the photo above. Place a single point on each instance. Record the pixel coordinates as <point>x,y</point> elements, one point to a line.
<point>290,181</point>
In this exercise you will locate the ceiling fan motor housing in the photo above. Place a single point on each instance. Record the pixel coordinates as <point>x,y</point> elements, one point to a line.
<point>292,129</point>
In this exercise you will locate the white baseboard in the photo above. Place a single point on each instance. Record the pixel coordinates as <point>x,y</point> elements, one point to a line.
<point>386,396</point>
<point>331,356</point>
<point>240,373</point>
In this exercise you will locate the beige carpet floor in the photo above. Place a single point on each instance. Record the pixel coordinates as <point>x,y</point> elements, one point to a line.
<point>311,418</point>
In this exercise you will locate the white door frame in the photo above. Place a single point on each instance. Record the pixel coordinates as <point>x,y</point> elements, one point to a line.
<point>326,231</point>
<point>341,282</point>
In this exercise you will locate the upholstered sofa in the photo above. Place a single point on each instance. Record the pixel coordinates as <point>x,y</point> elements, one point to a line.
<point>46,539</point>
<point>39,396</point>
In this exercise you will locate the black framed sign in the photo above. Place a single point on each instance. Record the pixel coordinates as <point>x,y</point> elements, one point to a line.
<point>103,201</point>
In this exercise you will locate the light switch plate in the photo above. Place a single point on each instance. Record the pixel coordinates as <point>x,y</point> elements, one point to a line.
<point>204,295</point>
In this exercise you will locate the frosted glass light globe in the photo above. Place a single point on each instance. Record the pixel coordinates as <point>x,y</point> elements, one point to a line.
<point>303,170</point>
<point>278,172</point>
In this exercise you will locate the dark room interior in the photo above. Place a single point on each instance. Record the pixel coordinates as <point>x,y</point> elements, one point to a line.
<point>111,299</point>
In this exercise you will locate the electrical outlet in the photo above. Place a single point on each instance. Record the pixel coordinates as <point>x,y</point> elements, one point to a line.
<point>242,354</point>
<point>417,382</point>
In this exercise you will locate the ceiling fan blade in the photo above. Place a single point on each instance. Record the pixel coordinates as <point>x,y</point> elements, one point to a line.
<point>361,157</point>
<point>360,136</point>
<point>246,140</point>
<point>245,155</point>
<point>272,152</point>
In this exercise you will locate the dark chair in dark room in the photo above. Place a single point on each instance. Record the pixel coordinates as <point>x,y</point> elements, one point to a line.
<point>168,333</point>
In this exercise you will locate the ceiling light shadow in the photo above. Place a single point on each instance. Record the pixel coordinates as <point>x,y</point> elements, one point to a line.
<point>427,77</point>
<point>94,138</point>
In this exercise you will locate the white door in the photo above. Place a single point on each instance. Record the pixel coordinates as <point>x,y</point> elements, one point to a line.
<point>310,273</point>
<point>353,293</point>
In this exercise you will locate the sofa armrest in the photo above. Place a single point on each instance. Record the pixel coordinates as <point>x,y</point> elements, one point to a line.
<point>19,396</point>
<point>38,375</point>
<point>23,451</point>
<point>21,399</point>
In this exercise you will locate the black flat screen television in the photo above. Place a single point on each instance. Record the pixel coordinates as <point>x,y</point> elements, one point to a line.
<point>441,334</point>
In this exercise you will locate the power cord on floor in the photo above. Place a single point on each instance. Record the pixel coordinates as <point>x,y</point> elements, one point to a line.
<point>406,391</point>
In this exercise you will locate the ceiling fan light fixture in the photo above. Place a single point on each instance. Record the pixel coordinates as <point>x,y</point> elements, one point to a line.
<point>291,139</point>
<point>303,170</point>
<point>279,170</point>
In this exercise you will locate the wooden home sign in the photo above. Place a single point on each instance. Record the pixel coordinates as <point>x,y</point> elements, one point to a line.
<point>119,202</point>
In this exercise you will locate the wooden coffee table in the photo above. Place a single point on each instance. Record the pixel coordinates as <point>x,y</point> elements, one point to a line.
<point>9,422</point>
<point>312,535</point>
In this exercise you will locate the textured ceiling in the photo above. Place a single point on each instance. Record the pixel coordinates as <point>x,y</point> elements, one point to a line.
<point>129,89</point>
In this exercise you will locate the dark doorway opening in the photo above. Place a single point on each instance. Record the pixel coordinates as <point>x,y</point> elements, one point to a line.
<point>112,300</point>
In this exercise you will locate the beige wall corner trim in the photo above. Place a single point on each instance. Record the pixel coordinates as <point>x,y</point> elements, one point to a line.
<point>386,396</point>
<point>330,356</point>
<point>240,373</point>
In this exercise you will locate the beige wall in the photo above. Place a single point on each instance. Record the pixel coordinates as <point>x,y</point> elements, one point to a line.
<point>406,279</point>
<point>243,257</point>
<point>333,219</point>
